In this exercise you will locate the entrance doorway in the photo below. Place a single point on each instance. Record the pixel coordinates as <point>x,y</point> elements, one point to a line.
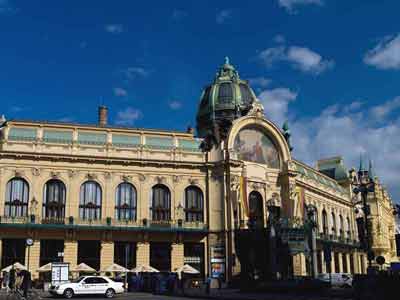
<point>125,254</point>
<point>89,253</point>
<point>13,250</point>
<point>256,209</point>
<point>160,256</point>
<point>50,250</point>
<point>194,256</point>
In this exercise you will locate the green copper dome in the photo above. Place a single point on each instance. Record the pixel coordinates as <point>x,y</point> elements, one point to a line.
<point>228,98</point>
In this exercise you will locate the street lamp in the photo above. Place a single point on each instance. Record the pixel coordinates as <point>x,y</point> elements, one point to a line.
<point>311,224</point>
<point>363,184</point>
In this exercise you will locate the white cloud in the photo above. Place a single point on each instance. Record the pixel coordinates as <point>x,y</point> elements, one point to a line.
<point>279,39</point>
<point>128,116</point>
<point>259,81</point>
<point>290,5</point>
<point>223,16</point>
<point>175,104</point>
<point>307,60</point>
<point>301,58</point>
<point>135,72</point>
<point>120,92</point>
<point>385,55</point>
<point>338,131</point>
<point>114,28</point>
<point>276,102</point>
<point>382,111</point>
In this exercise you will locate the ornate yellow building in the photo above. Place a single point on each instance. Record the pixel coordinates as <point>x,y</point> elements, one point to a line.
<point>101,194</point>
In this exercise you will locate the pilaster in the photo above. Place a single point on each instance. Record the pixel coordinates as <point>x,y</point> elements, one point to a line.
<point>106,254</point>
<point>71,253</point>
<point>177,255</point>
<point>143,254</point>
<point>32,255</point>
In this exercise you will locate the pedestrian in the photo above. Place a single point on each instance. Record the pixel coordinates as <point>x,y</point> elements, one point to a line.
<point>208,284</point>
<point>11,279</point>
<point>26,282</point>
<point>220,281</point>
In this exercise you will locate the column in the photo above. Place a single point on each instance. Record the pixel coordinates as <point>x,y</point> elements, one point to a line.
<point>333,270</point>
<point>106,254</point>
<point>71,253</point>
<point>177,255</point>
<point>32,254</point>
<point>143,254</point>
<point>340,256</point>
<point>323,263</point>
<point>356,263</point>
<point>348,262</point>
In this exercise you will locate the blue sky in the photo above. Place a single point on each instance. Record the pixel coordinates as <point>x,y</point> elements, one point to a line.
<point>332,68</point>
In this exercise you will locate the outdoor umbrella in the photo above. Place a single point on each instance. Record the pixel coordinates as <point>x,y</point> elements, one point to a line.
<point>16,265</point>
<point>45,268</point>
<point>186,269</point>
<point>116,268</point>
<point>82,267</point>
<point>144,269</point>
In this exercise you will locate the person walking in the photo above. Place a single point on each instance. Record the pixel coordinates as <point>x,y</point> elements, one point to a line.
<point>11,279</point>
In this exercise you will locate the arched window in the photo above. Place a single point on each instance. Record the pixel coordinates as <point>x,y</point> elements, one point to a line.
<point>160,203</point>
<point>193,204</point>
<point>125,202</point>
<point>341,230</point>
<point>348,228</point>
<point>325,229</point>
<point>17,197</point>
<point>54,199</point>
<point>90,201</point>
<point>334,231</point>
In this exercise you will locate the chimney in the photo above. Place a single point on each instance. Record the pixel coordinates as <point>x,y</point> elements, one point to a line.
<point>103,110</point>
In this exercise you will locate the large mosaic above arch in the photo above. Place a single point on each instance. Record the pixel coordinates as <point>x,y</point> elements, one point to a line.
<point>251,144</point>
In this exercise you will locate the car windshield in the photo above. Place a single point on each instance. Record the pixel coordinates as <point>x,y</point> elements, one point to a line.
<point>78,279</point>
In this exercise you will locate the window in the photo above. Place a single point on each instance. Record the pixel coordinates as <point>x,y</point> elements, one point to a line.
<point>125,202</point>
<point>333,224</point>
<point>17,195</point>
<point>90,201</point>
<point>54,200</point>
<point>341,230</point>
<point>193,204</point>
<point>325,222</point>
<point>160,203</point>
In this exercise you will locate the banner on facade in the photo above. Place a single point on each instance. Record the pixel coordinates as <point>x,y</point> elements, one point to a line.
<point>243,194</point>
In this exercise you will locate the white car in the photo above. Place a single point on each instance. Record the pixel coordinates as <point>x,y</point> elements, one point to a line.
<point>88,285</point>
<point>337,279</point>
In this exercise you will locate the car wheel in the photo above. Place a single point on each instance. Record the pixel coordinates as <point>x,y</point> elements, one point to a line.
<point>110,293</point>
<point>68,293</point>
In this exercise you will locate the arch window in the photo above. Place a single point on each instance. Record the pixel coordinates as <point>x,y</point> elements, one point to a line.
<point>348,228</point>
<point>194,204</point>
<point>341,224</point>
<point>333,224</point>
<point>325,229</point>
<point>125,202</point>
<point>54,199</point>
<point>90,201</point>
<point>160,203</point>
<point>17,197</point>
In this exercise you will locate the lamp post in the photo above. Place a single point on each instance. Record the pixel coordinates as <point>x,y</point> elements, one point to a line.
<point>312,225</point>
<point>363,184</point>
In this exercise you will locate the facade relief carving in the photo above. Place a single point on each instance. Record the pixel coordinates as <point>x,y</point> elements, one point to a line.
<point>91,176</point>
<point>72,173</point>
<point>35,171</point>
<point>142,177</point>
<point>160,179</point>
<point>126,178</point>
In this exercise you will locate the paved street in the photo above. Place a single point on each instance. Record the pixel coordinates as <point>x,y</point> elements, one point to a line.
<point>216,295</point>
